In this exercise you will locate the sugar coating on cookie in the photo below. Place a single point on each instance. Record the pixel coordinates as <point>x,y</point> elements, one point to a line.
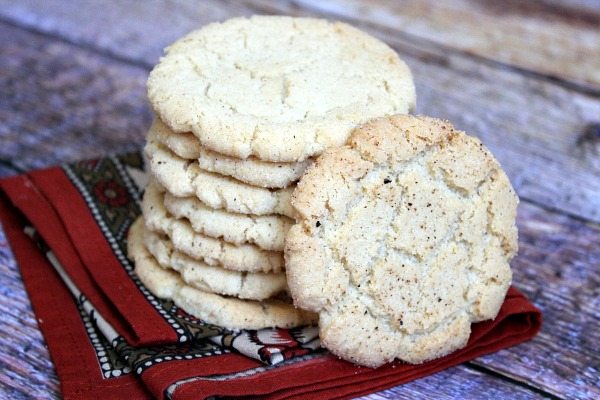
<point>250,170</point>
<point>279,88</point>
<point>404,239</point>
<point>228,312</point>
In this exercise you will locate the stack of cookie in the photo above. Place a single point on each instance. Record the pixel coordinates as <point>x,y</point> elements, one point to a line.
<point>242,108</point>
<point>399,234</point>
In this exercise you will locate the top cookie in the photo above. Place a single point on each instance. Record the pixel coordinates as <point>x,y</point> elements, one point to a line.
<point>404,238</point>
<point>278,88</point>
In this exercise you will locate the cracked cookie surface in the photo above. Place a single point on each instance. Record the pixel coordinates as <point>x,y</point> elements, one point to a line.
<point>403,239</point>
<point>278,88</point>
<point>229,312</point>
<point>250,170</point>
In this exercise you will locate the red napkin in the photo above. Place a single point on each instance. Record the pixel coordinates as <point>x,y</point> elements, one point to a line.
<point>110,338</point>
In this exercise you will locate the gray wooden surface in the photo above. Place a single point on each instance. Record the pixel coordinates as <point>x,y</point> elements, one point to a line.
<point>522,78</point>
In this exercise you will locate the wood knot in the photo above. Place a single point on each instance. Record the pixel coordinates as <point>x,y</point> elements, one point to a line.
<point>590,135</point>
<point>587,148</point>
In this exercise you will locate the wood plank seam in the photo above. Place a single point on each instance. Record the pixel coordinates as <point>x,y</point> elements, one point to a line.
<point>80,45</point>
<point>519,382</point>
<point>556,210</point>
<point>10,164</point>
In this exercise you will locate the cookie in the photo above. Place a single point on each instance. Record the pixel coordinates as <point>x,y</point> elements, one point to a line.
<point>153,208</point>
<point>159,247</point>
<point>404,239</point>
<point>218,191</point>
<point>183,144</point>
<point>245,257</point>
<point>278,88</point>
<point>213,279</point>
<point>265,231</point>
<point>161,282</point>
<point>251,170</point>
<point>185,178</point>
<point>228,312</point>
<point>175,174</point>
<point>235,313</point>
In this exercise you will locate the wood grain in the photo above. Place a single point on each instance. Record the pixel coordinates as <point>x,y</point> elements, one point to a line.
<point>61,103</point>
<point>534,126</point>
<point>558,40</point>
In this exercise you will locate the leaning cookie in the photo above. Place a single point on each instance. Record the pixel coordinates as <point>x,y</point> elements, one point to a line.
<point>403,239</point>
<point>250,170</point>
<point>228,312</point>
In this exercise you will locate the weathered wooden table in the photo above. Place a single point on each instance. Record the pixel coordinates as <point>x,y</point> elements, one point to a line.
<point>524,76</point>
